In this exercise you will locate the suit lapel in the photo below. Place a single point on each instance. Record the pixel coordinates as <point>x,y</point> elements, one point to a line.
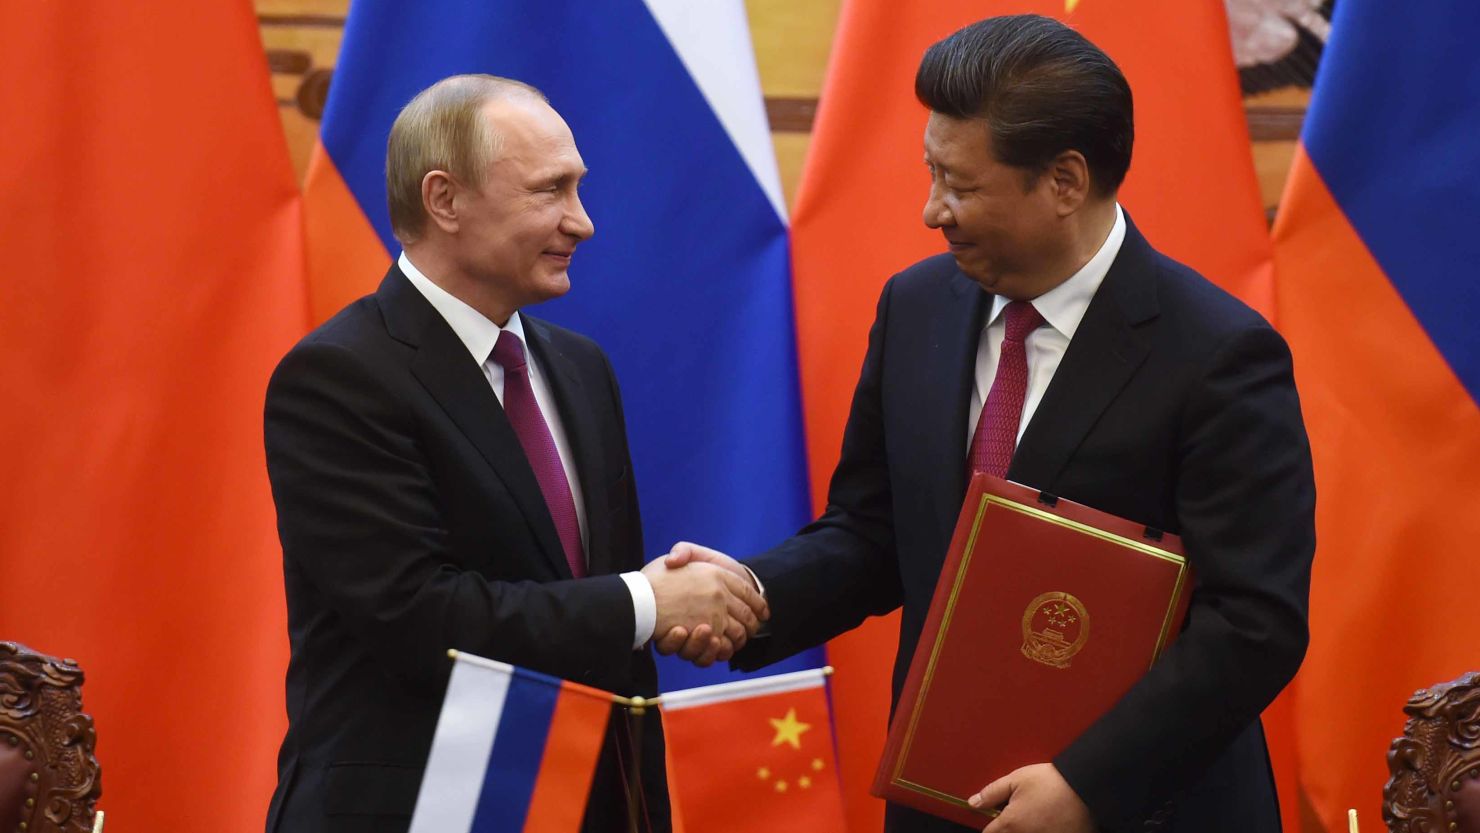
<point>583,431</point>
<point>958,326</point>
<point>442,365</point>
<point>1106,349</point>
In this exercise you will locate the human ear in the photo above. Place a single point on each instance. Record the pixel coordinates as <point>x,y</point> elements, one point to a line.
<point>1069,177</point>
<point>438,199</point>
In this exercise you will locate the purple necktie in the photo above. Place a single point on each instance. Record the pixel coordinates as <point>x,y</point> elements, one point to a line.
<point>997,429</point>
<point>534,435</point>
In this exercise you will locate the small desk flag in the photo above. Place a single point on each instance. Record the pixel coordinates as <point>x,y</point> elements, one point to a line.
<point>754,755</point>
<point>514,750</point>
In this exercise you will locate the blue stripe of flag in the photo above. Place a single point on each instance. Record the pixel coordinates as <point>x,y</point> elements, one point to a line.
<point>518,748</point>
<point>1394,129</point>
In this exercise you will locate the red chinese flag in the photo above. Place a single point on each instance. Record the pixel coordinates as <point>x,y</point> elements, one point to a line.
<point>1191,190</point>
<point>154,275</point>
<point>755,755</point>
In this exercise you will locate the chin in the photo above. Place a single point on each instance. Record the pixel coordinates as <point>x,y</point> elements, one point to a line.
<point>1000,285</point>
<point>985,278</point>
<point>554,286</point>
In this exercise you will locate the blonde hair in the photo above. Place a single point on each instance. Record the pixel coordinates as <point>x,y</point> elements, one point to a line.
<point>441,129</point>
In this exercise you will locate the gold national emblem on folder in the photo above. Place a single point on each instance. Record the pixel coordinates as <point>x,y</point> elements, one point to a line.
<point>1055,628</point>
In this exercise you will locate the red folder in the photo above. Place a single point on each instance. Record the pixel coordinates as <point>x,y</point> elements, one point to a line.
<point>1046,613</point>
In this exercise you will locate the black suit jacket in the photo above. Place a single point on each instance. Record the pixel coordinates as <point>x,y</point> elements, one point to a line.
<point>1174,406</point>
<point>411,522</point>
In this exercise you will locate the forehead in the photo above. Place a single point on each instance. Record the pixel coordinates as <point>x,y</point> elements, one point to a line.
<point>532,135</point>
<point>957,142</point>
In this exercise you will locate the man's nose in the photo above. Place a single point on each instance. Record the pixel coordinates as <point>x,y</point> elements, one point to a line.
<point>577,222</point>
<point>937,214</point>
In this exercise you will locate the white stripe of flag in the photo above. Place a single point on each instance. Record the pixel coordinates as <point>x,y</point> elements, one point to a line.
<point>712,39</point>
<point>464,738</point>
<point>759,687</point>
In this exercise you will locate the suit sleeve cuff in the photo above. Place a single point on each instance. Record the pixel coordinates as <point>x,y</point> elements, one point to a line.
<point>765,629</point>
<point>644,608</point>
<point>756,580</point>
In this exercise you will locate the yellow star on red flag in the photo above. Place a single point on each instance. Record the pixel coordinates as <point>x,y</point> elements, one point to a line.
<point>789,729</point>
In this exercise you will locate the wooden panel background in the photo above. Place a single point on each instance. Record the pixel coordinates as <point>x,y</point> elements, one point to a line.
<point>791,37</point>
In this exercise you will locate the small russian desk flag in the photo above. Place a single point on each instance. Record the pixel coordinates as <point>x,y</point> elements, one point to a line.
<point>514,750</point>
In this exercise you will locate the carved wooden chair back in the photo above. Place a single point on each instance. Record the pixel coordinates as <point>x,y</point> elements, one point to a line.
<point>1435,764</point>
<point>49,778</point>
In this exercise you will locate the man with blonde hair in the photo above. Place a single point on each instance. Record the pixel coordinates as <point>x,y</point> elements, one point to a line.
<point>450,472</point>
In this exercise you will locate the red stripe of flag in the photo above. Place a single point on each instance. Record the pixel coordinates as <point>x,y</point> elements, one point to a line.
<point>577,729</point>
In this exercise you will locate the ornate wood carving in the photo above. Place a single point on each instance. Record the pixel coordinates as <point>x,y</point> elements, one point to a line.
<point>41,717</point>
<point>1435,765</point>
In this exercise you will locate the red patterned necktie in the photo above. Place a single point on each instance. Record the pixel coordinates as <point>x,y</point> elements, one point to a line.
<point>997,429</point>
<point>529,424</point>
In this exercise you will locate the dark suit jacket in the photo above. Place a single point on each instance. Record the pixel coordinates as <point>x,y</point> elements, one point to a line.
<point>1175,407</point>
<point>411,522</point>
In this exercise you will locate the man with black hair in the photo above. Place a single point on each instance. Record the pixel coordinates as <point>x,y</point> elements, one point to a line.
<point>1054,346</point>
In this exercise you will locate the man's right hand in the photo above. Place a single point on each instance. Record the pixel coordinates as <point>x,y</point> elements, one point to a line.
<point>716,609</point>
<point>697,645</point>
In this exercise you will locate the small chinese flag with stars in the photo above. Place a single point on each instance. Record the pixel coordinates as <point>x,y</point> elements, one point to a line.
<point>755,755</point>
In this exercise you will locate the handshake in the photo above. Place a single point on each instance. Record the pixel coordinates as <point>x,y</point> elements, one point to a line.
<point>708,604</point>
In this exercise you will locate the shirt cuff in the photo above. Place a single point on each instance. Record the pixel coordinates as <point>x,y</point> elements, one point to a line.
<point>644,608</point>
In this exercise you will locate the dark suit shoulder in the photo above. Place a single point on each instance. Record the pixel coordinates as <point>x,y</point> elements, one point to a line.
<point>930,275</point>
<point>926,289</point>
<point>562,337</point>
<point>356,325</point>
<point>351,351</point>
<point>355,337</point>
<point>1200,322</point>
<point>576,347</point>
<point>1184,292</point>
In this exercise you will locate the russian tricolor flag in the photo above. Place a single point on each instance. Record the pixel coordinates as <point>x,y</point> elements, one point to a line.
<point>687,283</point>
<point>1377,292</point>
<point>514,750</point>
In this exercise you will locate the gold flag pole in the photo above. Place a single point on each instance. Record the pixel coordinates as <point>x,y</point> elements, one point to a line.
<point>1351,820</point>
<point>636,708</point>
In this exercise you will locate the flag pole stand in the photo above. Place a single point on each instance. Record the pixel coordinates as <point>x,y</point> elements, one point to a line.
<point>636,708</point>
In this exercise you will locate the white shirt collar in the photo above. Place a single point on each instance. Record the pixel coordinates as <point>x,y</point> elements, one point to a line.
<point>476,332</point>
<point>1063,307</point>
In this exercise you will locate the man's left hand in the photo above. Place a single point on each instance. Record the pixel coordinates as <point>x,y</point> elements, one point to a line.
<point>1038,800</point>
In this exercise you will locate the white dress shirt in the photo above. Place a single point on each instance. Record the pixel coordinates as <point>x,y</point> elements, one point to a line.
<point>478,334</point>
<point>1062,308</point>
